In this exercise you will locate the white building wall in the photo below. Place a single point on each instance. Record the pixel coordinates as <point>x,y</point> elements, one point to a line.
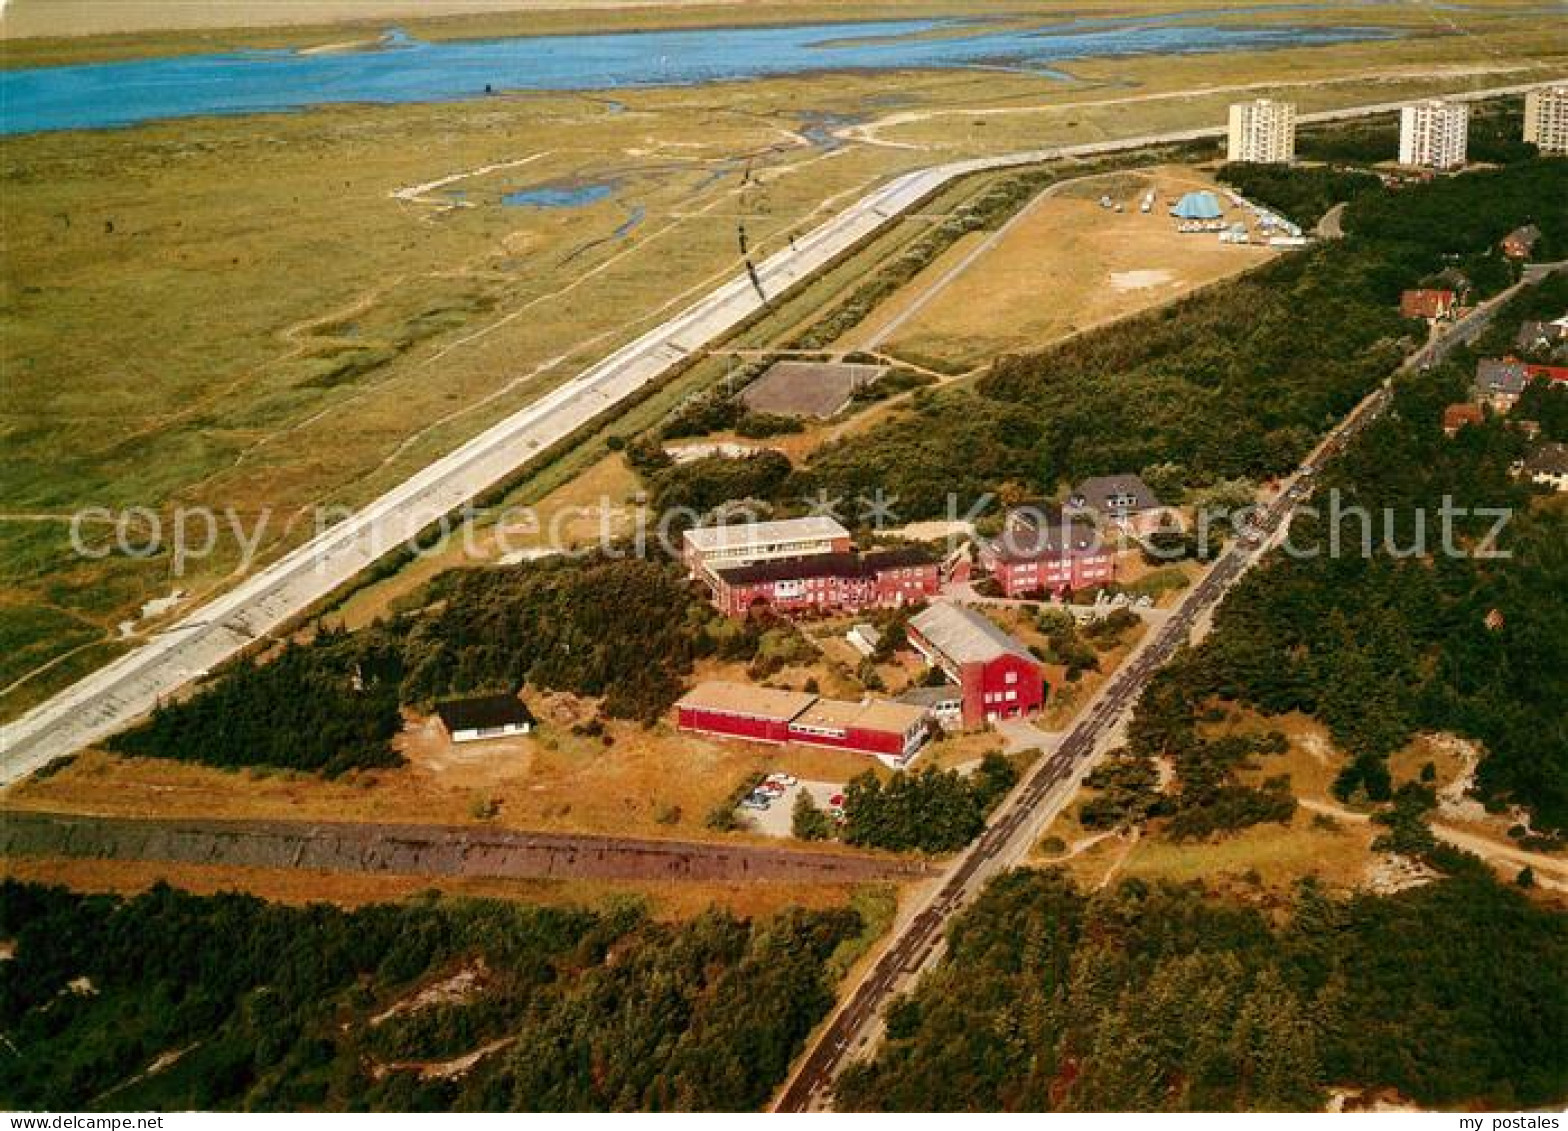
<point>1261,130</point>
<point>1434,134</point>
<point>1546,119</point>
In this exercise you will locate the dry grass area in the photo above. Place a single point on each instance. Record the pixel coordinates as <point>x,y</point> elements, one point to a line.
<point>653,782</point>
<point>1066,266</point>
<point>665,900</point>
<point>1275,855</point>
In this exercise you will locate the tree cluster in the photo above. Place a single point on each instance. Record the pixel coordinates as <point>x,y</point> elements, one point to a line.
<point>626,629</point>
<point>1166,999</point>
<point>927,811</point>
<point>246,1005</point>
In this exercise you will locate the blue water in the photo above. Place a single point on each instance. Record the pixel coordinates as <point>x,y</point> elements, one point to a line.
<point>559,195</point>
<point>406,70</point>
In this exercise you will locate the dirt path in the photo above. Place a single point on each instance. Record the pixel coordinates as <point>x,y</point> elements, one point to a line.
<point>436,850</point>
<point>1550,871</point>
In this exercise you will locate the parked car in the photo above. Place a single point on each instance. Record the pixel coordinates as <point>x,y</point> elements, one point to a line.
<point>836,801</point>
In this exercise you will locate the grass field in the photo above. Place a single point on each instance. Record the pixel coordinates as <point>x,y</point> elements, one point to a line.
<point>259,315</point>
<point>1066,266</point>
<point>296,886</point>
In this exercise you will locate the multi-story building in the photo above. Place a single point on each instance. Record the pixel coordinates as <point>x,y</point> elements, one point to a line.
<point>997,676</point>
<point>1263,131</point>
<point>1043,550</point>
<point>1433,134</point>
<point>826,582</point>
<point>1546,119</point>
<point>706,548</point>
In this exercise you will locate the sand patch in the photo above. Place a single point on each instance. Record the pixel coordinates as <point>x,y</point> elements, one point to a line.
<point>1139,280</point>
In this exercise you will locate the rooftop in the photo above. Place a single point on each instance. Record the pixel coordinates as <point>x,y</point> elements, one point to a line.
<point>1202,205</point>
<point>739,535</point>
<point>484,712</point>
<point>728,698</point>
<point>1037,532</point>
<point>847,565</point>
<point>1548,459</point>
<point>965,636</point>
<point>1128,493</point>
<point>872,714</point>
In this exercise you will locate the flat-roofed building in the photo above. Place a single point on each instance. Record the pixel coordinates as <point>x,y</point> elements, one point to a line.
<point>880,727</point>
<point>1434,134</point>
<point>1263,131</point>
<point>1546,119</point>
<point>706,548</point>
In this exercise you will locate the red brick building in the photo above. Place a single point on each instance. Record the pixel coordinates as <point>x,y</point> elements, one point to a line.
<point>827,582</point>
<point>997,675</point>
<point>879,727</point>
<point>1043,550</point>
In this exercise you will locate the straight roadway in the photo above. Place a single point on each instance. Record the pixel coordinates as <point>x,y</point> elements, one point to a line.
<point>1023,816</point>
<point>126,689</point>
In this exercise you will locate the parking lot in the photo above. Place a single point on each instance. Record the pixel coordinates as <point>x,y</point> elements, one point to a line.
<point>775,820</point>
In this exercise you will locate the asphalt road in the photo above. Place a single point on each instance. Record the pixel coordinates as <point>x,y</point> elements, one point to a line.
<point>1019,821</point>
<point>124,690</point>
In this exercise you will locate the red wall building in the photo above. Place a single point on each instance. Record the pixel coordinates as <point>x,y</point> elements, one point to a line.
<point>1044,551</point>
<point>998,676</point>
<point>827,582</point>
<point>761,714</point>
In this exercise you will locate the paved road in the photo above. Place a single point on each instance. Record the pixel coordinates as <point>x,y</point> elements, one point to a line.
<point>124,690</point>
<point>435,850</point>
<point>1023,816</point>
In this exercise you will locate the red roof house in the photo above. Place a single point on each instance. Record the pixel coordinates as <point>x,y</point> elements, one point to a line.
<point>1429,303</point>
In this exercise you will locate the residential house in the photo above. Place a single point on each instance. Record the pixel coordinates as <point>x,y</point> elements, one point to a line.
<point>1542,335</point>
<point>485,716</point>
<point>1500,381</point>
<point>1519,243</point>
<point>1430,303</point>
<point>1124,501</point>
<point>1457,416</point>
<point>1547,466</point>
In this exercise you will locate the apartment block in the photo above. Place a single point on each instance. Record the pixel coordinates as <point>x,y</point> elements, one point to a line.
<point>1546,119</point>
<point>1433,134</point>
<point>1263,131</point>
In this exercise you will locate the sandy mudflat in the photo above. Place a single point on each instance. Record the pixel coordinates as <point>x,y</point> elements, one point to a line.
<point>24,19</point>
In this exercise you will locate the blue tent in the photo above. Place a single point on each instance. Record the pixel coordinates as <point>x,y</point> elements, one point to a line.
<point>1197,206</point>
